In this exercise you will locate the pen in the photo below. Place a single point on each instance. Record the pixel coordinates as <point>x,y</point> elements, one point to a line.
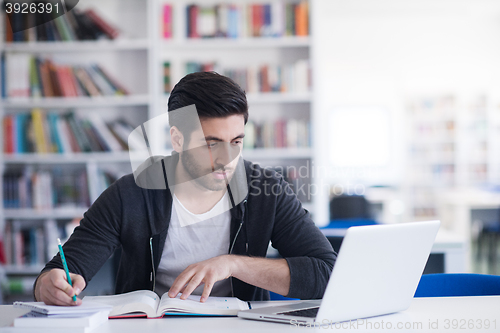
<point>63,259</point>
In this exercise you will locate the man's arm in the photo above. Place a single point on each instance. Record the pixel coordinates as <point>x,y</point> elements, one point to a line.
<point>88,248</point>
<point>270,274</point>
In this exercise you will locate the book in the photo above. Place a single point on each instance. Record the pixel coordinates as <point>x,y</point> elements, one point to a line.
<point>110,30</point>
<point>167,21</point>
<point>146,303</point>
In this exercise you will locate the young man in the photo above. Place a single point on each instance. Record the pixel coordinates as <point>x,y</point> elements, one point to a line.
<point>187,224</point>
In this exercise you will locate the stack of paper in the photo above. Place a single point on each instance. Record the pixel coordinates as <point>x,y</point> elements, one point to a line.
<point>75,319</point>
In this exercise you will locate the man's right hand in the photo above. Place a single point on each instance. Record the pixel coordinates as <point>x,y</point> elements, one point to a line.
<point>53,288</point>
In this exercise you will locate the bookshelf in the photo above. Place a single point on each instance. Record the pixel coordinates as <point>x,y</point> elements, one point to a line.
<point>136,59</point>
<point>453,144</point>
<point>240,50</point>
<point>128,60</point>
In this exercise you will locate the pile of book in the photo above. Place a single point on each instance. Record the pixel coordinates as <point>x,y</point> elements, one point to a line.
<point>72,26</point>
<point>76,319</point>
<point>29,76</point>
<point>283,133</point>
<point>295,77</point>
<point>51,132</point>
<point>45,189</point>
<point>274,19</point>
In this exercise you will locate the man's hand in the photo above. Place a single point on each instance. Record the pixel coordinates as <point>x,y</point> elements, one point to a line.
<point>207,272</point>
<point>52,288</point>
<point>270,274</point>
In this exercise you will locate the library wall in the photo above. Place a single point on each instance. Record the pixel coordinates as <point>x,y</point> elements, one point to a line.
<point>395,54</point>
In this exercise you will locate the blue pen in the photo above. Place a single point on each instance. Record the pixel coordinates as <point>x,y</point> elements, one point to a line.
<point>63,259</point>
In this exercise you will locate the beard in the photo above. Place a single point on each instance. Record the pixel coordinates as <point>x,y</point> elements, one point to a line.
<point>201,174</point>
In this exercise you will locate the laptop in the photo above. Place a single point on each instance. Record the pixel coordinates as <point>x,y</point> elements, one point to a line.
<point>377,272</point>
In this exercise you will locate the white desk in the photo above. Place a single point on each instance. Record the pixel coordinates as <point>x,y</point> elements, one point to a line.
<point>423,312</point>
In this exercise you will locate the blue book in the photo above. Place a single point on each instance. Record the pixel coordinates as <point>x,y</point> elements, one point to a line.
<point>232,24</point>
<point>20,128</point>
<point>2,70</point>
<point>266,9</point>
<point>54,134</point>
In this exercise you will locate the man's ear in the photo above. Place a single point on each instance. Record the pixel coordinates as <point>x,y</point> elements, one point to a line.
<point>177,139</point>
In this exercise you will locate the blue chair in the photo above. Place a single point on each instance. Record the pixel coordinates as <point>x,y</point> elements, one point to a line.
<point>446,285</point>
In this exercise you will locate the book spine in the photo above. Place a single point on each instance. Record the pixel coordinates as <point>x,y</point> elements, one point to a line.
<point>166,77</point>
<point>78,132</point>
<point>36,90</point>
<point>56,85</point>
<point>9,35</point>
<point>3,76</point>
<point>110,31</point>
<point>40,141</point>
<point>8,140</point>
<point>167,21</point>
<point>86,82</point>
<point>47,88</point>
<point>115,83</point>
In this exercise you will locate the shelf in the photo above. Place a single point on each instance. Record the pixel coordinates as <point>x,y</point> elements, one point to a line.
<point>271,97</point>
<point>54,158</point>
<point>22,270</point>
<point>77,102</point>
<point>229,43</point>
<point>35,214</point>
<point>277,97</point>
<point>78,46</point>
<point>277,153</point>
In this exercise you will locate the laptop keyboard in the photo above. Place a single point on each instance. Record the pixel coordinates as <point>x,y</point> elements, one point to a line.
<point>311,312</point>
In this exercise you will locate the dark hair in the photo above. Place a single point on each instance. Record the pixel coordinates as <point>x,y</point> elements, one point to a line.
<point>213,94</point>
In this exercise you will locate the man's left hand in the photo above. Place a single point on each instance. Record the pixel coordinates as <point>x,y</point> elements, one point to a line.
<point>207,272</point>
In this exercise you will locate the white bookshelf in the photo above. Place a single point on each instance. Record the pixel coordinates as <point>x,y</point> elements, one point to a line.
<point>453,147</point>
<point>243,52</point>
<point>129,60</point>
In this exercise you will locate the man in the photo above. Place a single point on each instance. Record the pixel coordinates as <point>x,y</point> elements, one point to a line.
<point>195,228</point>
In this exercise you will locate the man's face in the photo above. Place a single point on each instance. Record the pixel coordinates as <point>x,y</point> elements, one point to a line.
<point>211,154</point>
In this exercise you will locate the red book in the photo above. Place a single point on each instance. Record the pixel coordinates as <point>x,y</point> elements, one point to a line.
<point>110,31</point>
<point>257,19</point>
<point>64,84</point>
<point>70,78</point>
<point>193,24</point>
<point>8,139</point>
<point>167,21</point>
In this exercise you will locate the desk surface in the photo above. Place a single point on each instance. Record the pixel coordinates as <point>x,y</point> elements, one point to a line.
<point>440,314</point>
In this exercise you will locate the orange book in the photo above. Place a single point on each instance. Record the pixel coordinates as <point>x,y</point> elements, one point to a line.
<point>302,19</point>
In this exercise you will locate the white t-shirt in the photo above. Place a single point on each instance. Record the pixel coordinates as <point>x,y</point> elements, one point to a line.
<point>192,238</point>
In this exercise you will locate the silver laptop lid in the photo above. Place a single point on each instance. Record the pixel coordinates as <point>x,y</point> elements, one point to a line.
<point>377,270</point>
